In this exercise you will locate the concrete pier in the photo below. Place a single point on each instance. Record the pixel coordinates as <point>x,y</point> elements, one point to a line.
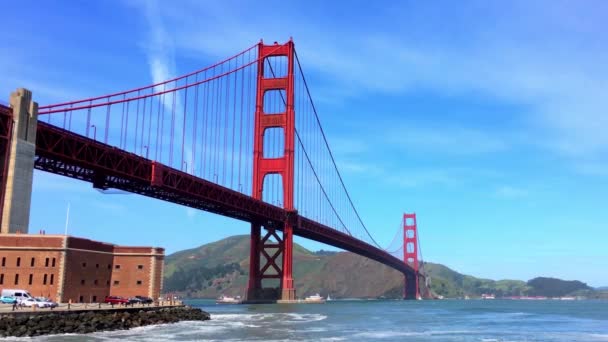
<point>18,192</point>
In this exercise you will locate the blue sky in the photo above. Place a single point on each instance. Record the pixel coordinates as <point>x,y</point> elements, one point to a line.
<point>489,121</point>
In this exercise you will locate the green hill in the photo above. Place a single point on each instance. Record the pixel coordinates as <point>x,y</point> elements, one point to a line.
<point>222,267</point>
<point>552,287</point>
<point>449,283</point>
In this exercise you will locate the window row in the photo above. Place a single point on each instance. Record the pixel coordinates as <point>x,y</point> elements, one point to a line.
<point>45,279</point>
<point>139,282</point>
<point>116,282</point>
<point>139,267</point>
<point>32,262</point>
<point>53,262</point>
<point>93,299</point>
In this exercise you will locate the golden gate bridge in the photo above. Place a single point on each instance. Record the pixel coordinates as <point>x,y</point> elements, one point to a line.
<point>241,138</point>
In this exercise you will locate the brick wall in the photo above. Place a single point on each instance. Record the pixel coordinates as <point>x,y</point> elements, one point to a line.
<point>17,272</point>
<point>131,273</point>
<point>90,270</point>
<point>30,241</point>
<point>80,243</point>
<point>87,276</point>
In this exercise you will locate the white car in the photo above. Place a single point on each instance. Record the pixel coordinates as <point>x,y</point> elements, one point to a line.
<point>49,303</point>
<point>33,301</point>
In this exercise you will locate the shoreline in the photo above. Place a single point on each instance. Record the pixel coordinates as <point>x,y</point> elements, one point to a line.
<point>52,322</point>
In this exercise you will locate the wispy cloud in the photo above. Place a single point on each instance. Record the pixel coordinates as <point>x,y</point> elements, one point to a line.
<point>423,178</point>
<point>563,85</point>
<point>445,139</point>
<point>353,166</point>
<point>159,45</point>
<point>348,146</point>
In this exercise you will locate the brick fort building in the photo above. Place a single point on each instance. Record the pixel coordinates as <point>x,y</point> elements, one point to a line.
<point>66,268</point>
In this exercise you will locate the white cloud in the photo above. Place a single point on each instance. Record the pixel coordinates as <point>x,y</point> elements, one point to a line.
<point>353,166</point>
<point>438,176</point>
<point>560,87</point>
<point>348,146</point>
<point>445,139</point>
<point>423,178</point>
<point>565,91</point>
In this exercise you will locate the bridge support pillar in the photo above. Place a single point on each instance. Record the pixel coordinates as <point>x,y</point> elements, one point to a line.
<point>255,281</point>
<point>288,292</point>
<point>410,255</point>
<point>264,264</point>
<point>270,259</point>
<point>410,290</point>
<point>17,190</point>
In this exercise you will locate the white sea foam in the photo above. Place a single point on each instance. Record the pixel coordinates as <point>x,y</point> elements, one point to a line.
<point>597,337</point>
<point>391,334</point>
<point>306,317</point>
<point>280,317</point>
<point>332,339</point>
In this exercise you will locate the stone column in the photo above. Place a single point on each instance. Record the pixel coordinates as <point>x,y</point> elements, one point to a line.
<point>18,192</point>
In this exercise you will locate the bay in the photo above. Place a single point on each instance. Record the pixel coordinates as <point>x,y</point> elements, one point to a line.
<point>377,320</point>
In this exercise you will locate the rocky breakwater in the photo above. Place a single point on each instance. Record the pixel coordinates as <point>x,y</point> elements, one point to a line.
<point>83,322</point>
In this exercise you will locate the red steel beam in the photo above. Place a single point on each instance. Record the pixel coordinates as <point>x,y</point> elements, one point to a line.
<point>63,152</point>
<point>66,153</point>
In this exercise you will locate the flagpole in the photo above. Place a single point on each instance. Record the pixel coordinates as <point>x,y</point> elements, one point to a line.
<point>67,219</point>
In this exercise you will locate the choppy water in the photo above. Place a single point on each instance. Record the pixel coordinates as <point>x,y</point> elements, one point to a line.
<point>472,320</point>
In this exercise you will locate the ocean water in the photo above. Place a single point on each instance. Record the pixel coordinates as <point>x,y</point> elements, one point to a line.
<point>446,320</point>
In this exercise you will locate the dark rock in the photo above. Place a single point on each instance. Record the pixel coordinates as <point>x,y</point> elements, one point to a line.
<point>59,322</point>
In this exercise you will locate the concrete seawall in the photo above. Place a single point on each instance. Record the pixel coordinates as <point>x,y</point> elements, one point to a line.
<point>35,323</point>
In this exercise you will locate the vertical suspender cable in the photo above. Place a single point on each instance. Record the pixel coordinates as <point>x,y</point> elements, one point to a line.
<point>136,124</point>
<point>195,126</point>
<point>143,127</point>
<point>184,126</point>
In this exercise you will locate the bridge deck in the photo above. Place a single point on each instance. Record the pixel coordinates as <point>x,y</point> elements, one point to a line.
<point>66,153</point>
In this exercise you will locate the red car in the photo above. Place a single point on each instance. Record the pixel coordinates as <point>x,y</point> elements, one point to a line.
<point>116,300</point>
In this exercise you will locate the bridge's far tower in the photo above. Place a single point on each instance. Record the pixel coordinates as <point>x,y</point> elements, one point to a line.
<point>410,255</point>
<point>265,253</point>
<point>18,162</point>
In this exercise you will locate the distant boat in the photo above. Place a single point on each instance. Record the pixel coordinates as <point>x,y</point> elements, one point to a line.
<point>328,298</point>
<point>314,299</point>
<point>488,296</point>
<point>228,300</point>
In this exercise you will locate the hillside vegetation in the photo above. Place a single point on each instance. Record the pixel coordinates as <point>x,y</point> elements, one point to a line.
<point>222,267</point>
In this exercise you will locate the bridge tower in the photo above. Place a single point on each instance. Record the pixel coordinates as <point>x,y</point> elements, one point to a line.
<point>17,151</point>
<point>410,255</point>
<point>266,254</point>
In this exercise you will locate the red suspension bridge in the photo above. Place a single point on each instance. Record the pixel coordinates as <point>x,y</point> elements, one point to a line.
<point>241,138</point>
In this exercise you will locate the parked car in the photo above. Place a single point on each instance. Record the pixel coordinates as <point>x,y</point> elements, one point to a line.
<point>8,300</point>
<point>145,300</point>
<point>34,302</point>
<point>116,300</point>
<point>134,300</point>
<point>18,294</point>
<point>47,302</point>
